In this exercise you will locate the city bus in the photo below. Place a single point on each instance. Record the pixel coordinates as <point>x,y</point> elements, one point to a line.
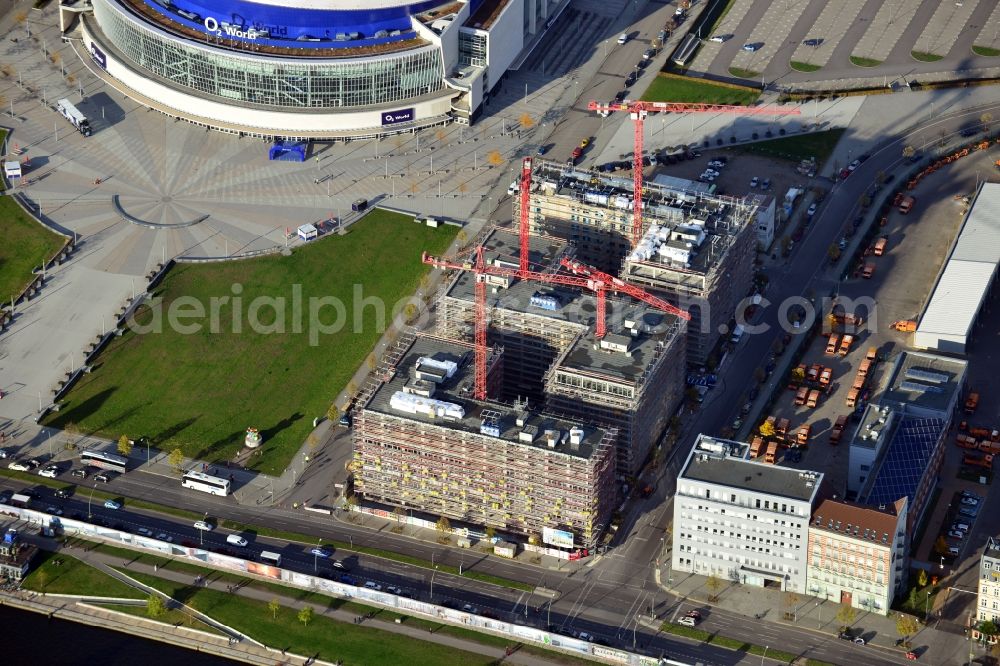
<point>207,484</point>
<point>104,460</point>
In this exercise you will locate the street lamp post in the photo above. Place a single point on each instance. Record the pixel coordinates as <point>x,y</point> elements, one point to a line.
<point>432,583</point>
<point>90,502</point>
<point>763,655</point>
<point>316,556</point>
<point>927,606</point>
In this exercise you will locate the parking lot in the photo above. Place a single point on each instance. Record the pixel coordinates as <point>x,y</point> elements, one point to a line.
<point>917,244</point>
<point>853,39</point>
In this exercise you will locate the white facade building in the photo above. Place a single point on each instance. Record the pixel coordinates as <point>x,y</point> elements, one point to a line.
<point>742,520</point>
<point>988,600</point>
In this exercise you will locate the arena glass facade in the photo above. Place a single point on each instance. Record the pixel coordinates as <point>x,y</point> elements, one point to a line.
<point>271,82</point>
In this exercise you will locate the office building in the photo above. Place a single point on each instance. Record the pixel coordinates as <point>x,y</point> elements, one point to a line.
<point>988,591</point>
<point>742,520</point>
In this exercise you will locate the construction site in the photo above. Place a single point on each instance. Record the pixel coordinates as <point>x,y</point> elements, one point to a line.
<point>545,379</point>
<point>422,441</point>
<point>695,251</point>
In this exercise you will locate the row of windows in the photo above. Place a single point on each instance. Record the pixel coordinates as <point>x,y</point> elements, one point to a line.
<point>275,83</point>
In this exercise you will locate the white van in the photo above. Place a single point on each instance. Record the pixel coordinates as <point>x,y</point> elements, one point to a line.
<point>512,188</point>
<point>737,334</point>
<point>236,540</point>
<point>268,557</point>
<point>623,38</point>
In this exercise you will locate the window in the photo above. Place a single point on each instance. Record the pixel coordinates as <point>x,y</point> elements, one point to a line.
<point>732,498</point>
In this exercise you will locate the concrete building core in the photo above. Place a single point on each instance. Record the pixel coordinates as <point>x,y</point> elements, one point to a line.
<point>697,251</point>
<point>632,381</point>
<point>422,442</point>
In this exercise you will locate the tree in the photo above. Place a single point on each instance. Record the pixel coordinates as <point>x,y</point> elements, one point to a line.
<point>306,615</point>
<point>922,578</point>
<point>986,119</point>
<point>409,313</point>
<point>461,236</point>
<point>941,546</point>
<point>846,614</point>
<point>798,374</point>
<point>909,151</point>
<point>43,578</point>
<point>274,606</point>
<point>495,158</point>
<point>352,388</point>
<point>176,459</point>
<point>155,606</point>
<point>527,122</point>
<point>352,500</point>
<point>766,429</point>
<point>833,252</point>
<point>443,524</point>
<point>759,374</point>
<point>400,512</point>
<point>313,441</point>
<point>989,628</point>
<point>880,177</point>
<point>125,446</point>
<point>714,585</point>
<point>792,600</point>
<point>332,412</point>
<point>490,532</point>
<point>906,626</point>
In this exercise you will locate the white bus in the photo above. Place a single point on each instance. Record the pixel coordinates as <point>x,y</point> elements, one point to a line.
<point>104,460</point>
<point>206,483</point>
<point>268,557</point>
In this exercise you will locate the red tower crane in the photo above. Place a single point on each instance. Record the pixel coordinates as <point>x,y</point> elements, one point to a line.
<point>584,277</point>
<point>639,109</point>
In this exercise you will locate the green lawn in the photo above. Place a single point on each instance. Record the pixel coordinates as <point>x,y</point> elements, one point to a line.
<point>722,641</point>
<point>170,616</point>
<point>199,391</point>
<point>865,62</point>
<point>323,638</point>
<point>805,66</point>
<point>668,89</point>
<point>986,51</point>
<point>74,577</point>
<point>800,147</point>
<point>741,73</point>
<point>923,56</point>
<point>26,245</point>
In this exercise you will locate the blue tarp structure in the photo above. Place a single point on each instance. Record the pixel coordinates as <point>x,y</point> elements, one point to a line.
<point>291,152</point>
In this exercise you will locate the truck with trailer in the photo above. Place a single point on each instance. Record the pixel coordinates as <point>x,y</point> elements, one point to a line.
<point>73,115</point>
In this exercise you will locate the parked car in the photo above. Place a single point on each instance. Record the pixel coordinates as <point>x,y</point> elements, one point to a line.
<point>392,589</point>
<point>337,564</point>
<point>54,511</point>
<point>144,531</point>
<point>204,526</point>
<point>765,184</point>
<point>112,504</point>
<point>163,536</point>
<point>64,493</point>
<point>860,640</point>
<point>4,453</point>
<point>754,181</point>
<point>971,501</point>
<point>812,42</point>
<point>584,636</point>
<point>687,621</point>
<point>104,477</point>
<point>321,551</point>
<point>19,466</point>
<point>372,585</point>
<point>955,534</point>
<point>853,165</point>
<point>716,164</point>
<point>469,608</point>
<point>752,47</point>
<point>82,473</point>
<point>811,210</point>
<point>622,38</point>
<point>721,39</point>
<point>50,472</point>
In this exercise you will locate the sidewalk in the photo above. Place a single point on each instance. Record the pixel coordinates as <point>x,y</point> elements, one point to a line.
<point>247,648</point>
<point>810,614</point>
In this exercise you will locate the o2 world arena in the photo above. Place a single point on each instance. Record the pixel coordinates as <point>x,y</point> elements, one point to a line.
<point>306,68</point>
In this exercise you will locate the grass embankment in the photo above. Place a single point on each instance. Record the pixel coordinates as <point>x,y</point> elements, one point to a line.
<point>741,73</point>
<point>171,616</point>
<point>26,246</point>
<point>322,638</point>
<point>273,364</point>
<point>670,89</point>
<point>986,51</point>
<point>800,147</point>
<point>805,66</point>
<point>733,644</point>
<point>923,56</point>
<point>74,577</point>
<point>864,62</point>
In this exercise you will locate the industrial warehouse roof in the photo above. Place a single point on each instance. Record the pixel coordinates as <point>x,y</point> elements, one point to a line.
<point>726,463</point>
<point>966,277</point>
<point>928,381</point>
<point>457,391</point>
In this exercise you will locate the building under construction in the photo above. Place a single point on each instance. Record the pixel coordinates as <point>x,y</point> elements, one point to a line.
<point>631,380</point>
<point>422,442</point>
<point>697,250</point>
